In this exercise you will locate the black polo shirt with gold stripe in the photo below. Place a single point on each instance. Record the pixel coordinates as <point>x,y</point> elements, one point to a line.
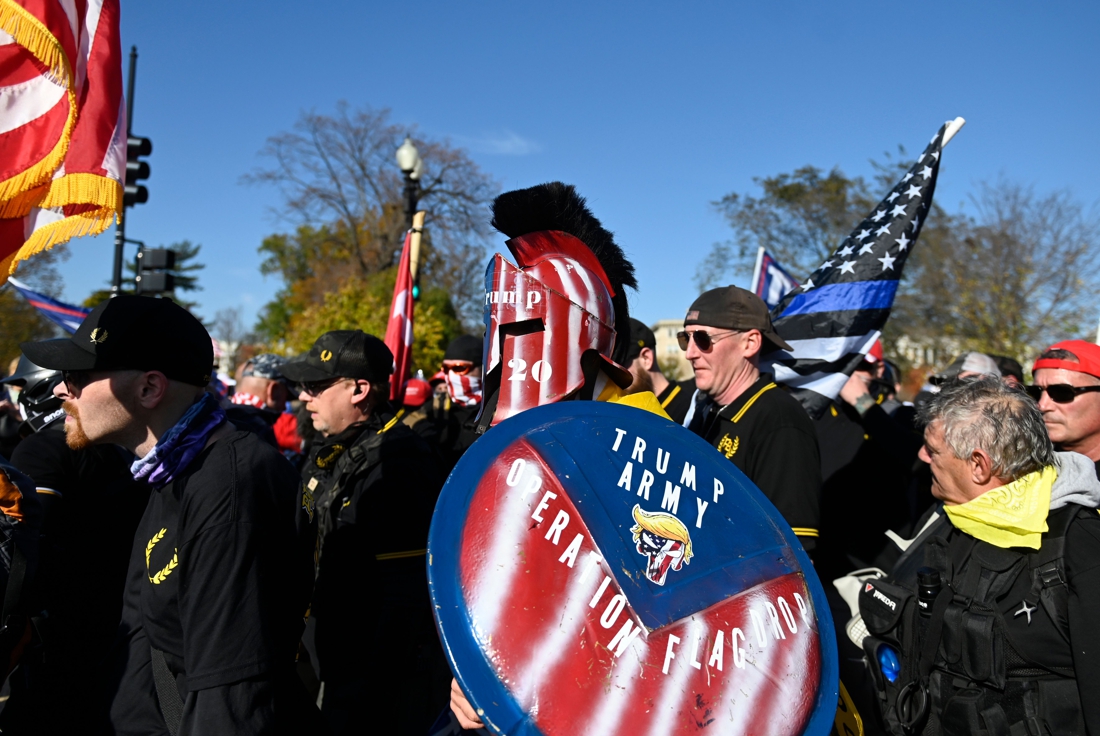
<point>767,434</point>
<point>676,399</point>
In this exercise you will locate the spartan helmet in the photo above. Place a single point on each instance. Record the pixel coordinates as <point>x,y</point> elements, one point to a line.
<point>551,320</point>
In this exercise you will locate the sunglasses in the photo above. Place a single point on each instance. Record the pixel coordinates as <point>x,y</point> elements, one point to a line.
<point>1060,393</point>
<point>316,388</point>
<point>460,369</point>
<point>703,340</point>
<point>76,380</point>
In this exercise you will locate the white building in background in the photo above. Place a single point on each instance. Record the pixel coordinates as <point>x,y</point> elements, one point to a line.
<point>935,353</point>
<point>668,350</point>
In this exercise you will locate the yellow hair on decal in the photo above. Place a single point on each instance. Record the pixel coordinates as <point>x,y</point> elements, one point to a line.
<point>662,525</point>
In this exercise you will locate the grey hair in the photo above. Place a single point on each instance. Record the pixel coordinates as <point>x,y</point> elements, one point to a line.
<point>983,413</point>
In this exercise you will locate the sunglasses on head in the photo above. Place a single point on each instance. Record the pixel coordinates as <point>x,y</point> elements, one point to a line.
<point>316,388</point>
<point>460,369</point>
<point>1060,393</point>
<point>703,340</point>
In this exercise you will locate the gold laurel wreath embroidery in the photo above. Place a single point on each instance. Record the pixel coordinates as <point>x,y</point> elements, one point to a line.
<point>728,448</point>
<point>167,569</point>
<point>153,543</point>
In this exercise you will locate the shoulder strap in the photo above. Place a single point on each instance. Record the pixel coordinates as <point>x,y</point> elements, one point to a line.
<point>171,704</point>
<point>1049,586</point>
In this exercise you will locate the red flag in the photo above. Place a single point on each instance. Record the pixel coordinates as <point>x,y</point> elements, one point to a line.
<point>399,331</point>
<point>62,123</point>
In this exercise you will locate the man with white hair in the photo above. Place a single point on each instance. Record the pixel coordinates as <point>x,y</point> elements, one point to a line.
<point>987,623</point>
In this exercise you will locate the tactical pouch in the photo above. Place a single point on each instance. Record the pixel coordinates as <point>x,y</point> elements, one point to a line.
<point>960,713</point>
<point>882,606</point>
<point>889,612</point>
<point>972,644</point>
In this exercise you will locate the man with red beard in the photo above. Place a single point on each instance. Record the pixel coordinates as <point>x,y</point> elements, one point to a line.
<point>219,577</point>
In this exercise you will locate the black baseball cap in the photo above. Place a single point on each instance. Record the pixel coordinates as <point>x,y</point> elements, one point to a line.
<point>734,308</point>
<point>132,332</point>
<point>640,337</point>
<point>342,354</point>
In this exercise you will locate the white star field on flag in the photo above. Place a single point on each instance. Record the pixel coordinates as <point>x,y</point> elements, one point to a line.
<point>885,235</point>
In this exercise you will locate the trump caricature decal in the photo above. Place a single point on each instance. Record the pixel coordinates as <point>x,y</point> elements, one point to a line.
<point>664,540</point>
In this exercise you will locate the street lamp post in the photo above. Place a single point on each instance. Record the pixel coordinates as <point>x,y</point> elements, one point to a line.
<point>408,159</point>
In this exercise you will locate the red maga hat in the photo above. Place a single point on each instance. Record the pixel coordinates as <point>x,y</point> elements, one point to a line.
<point>1088,357</point>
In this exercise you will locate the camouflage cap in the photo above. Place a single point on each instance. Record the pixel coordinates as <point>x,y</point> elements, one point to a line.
<point>264,365</point>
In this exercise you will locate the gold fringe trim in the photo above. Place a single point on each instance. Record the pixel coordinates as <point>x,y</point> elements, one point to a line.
<point>84,188</point>
<point>22,203</point>
<point>31,34</point>
<point>34,36</point>
<point>79,188</point>
<point>62,231</point>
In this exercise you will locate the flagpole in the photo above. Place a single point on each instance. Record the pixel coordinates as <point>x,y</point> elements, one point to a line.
<point>756,269</point>
<point>414,244</point>
<point>953,127</point>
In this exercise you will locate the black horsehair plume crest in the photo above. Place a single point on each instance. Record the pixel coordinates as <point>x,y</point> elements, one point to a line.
<point>557,206</point>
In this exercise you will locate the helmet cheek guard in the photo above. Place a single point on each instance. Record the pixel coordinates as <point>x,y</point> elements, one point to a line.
<point>541,320</point>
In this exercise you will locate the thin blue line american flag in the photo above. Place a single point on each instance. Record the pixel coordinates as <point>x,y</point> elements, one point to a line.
<point>834,317</point>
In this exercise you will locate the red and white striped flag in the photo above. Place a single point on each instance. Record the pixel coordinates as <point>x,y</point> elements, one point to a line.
<point>399,331</point>
<point>62,123</point>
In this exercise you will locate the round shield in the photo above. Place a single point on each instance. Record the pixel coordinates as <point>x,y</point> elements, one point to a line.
<point>597,569</point>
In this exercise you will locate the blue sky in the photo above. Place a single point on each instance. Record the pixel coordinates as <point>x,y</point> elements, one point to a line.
<point>653,110</point>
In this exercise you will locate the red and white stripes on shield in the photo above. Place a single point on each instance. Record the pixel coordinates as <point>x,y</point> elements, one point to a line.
<point>559,631</point>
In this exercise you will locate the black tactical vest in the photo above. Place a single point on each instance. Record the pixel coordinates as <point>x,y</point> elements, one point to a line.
<point>989,654</point>
<point>331,470</point>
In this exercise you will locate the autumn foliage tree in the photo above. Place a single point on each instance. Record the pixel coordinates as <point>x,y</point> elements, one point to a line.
<point>341,193</point>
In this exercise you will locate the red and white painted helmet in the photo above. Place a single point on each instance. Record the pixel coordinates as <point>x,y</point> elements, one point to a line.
<point>550,320</point>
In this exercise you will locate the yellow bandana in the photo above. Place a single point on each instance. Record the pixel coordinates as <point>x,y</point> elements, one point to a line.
<point>1014,515</point>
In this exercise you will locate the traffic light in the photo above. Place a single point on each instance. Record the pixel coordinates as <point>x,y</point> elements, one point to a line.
<point>416,287</point>
<point>153,275</point>
<point>136,169</point>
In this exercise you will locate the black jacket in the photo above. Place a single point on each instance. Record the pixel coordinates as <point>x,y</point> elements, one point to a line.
<point>219,581</point>
<point>371,491</point>
<point>865,463</point>
<point>51,694</point>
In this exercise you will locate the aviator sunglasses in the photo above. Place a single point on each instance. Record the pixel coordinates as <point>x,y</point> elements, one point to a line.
<point>703,340</point>
<point>1060,393</point>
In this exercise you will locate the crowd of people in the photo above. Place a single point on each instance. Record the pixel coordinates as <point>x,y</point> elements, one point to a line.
<point>188,563</point>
